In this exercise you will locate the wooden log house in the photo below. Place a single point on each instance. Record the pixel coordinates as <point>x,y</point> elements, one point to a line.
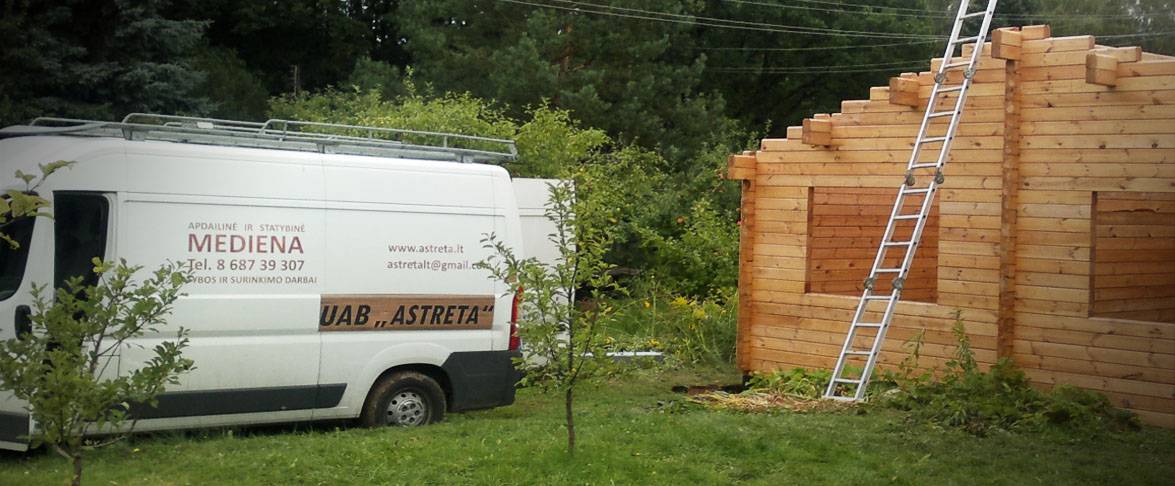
<point>1052,239</point>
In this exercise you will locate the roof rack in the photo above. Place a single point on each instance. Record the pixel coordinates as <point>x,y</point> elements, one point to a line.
<point>282,135</point>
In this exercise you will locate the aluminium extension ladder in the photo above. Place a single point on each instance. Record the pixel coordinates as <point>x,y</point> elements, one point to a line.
<point>875,309</point>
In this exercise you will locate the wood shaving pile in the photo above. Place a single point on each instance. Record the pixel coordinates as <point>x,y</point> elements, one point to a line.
<point>762,402</point>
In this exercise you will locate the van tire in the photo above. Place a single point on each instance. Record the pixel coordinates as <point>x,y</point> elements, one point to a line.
<point>404,398</point>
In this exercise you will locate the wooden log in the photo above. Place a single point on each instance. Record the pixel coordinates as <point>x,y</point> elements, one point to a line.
<point>1035,32</point>
<point>741,167</point>
<point>903,91</point>
<point>1006,43</point>
<point>1101,69</point>
<point>817,131</point>
<point>1056,44</point>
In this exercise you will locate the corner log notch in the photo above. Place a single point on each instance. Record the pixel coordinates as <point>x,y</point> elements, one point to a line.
<point>1101,65</point>
<point>742,167</point>
<point>903,90</point>
<point>817,130</point>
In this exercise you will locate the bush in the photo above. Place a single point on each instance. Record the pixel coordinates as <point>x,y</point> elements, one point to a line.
<point>1001,399</point>
<point>691,331</point>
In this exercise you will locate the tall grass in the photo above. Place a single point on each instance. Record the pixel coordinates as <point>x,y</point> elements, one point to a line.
<point>689,330</point>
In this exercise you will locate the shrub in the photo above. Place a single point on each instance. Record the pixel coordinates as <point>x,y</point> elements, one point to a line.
<point>1000,399</point>
<point>690,330</point>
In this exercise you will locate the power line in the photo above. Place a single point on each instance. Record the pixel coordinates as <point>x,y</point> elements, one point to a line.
<point>1145,34</point>
<point>748,23</point>
<point>923,13</point>
<point>891,64</point>
<point>846,70</point>
<point>638,14</point>
<point>816,48</point>
<point>590,8</point>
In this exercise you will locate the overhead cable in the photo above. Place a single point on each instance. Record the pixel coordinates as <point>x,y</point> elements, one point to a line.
<point>591,8</point>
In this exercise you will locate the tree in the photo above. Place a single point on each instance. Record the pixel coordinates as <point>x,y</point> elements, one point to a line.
<point>562,339</point>
<point>61,368</point>
<point>97,60</point>
<point>292,45</point>
<point>636,80</point>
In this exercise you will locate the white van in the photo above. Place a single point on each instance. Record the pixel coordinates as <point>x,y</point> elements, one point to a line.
<point>334,267</point>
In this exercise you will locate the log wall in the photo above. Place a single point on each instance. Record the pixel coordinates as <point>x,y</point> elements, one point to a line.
<point>1061,144</point>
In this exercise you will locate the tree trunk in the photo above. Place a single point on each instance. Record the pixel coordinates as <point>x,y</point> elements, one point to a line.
<point>570,422</point>
<point>77,469</point>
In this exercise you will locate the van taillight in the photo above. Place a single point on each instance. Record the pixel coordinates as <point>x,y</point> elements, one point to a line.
<point>515,341</point>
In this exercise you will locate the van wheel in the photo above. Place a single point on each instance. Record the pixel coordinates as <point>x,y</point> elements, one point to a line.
<point>406,399</point>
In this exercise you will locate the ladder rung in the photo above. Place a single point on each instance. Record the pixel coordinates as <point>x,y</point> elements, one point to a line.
<point>950,89</point>
<point>847,380</point>
<point>973,14</point>
<point>940,114</point>
<point>878,297</point>
<point>933,139</point>
<point>967,39</point>
<point>924,190</point>
<point>923,166</point>
<point>956,64</point>
<point>888,270</point>
<point>907,216</point>
<point>898,243</point>
<point>859,353</point>
<point>868,324</point>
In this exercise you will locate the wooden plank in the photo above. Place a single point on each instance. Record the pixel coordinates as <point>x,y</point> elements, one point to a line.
<point>1095,127</point>
<point>1118,356</point>
<point>1153,141</point>
<point>888,168</point>
<point>1035,32</point>
<point>1059,156</point>
<point>1144,83</point>
<point>1152,330</point>
<point>1100,112</point>
<point>1094,368</point>
<point>1058,44</point>
<point>1141,184</point>
<point>1146,68</point>
<point>882,131</point>
<point>871,156</point>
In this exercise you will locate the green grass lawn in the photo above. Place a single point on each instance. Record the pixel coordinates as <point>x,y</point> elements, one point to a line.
<point>625,437</point>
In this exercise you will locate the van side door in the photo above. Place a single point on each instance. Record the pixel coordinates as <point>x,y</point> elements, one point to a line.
<point>250,226</point>
<point>20,267</point>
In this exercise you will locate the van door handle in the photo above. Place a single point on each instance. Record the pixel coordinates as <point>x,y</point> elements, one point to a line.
<point>23,320</point>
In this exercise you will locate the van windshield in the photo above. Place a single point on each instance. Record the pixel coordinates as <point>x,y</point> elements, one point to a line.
<point>12,260</point>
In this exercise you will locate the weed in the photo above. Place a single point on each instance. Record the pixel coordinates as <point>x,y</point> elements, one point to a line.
<point>1000,399</point>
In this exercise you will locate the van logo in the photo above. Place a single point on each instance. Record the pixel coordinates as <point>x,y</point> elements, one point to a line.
<point>405,312</point>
